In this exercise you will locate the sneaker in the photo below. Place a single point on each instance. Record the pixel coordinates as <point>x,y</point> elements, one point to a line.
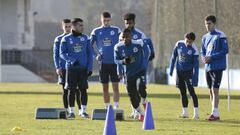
<point>184,116</point>
<point>71,116</point>
<point>195,117</point>
<point>84,115</point>
<point>141,118</point>
<point>213,118</point>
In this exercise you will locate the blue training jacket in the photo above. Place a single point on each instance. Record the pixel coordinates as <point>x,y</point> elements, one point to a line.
<point>77,48</point>
<point>105,38</point>
<point>134,50</point>
<point>58,62</point>
<point>148,50</point>
<point>215,45</point>
<point>187,59</point>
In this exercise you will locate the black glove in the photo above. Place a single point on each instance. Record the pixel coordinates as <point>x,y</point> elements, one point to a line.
<point>152,56</point>
<point>89,73</point>
<point>127,60</point>
<point>76,63</point>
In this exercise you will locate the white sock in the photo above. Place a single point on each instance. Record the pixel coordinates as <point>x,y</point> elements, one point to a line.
<point>106,105</point>
<point>71,109</point>
<point>143,100</point>
<point>185,111</point>
<point>215,112</point>
<point>139,110</point>
<point>84,108</point>
<point>116,105</point>
<point>195,109</point>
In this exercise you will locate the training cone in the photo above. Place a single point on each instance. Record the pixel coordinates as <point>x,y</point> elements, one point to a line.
<point>148,123</point>
<point>16,129</point>
<point>110,127</point>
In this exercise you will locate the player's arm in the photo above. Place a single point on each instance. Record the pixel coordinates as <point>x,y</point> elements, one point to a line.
<point>118,60</point>
<point>90,58</point>
<point>64,51</point>
<point>224,49</point>
<point>56,56</point>
<point>173,60</point>
<point>195,66</point>
<point>93,40</point>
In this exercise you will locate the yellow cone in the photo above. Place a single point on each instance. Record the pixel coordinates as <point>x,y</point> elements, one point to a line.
<point>16,129</point>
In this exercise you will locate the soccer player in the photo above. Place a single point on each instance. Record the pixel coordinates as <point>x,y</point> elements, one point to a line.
<point>130,53</point>
<point>129,21</point>
<point>186,54</point>
<point>60,63</point>
<point>214,50</point>
<point>77,52</point>
<point>106,37</point>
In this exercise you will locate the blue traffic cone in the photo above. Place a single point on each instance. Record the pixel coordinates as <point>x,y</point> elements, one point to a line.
<point>110,127</point>
<point>148,123</point>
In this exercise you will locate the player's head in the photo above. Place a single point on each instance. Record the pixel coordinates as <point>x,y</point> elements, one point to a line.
<point>66,25</point>
<point>189,38</point>
<point>129,20</point>
<point>210,22</point>
<point>105,18</point>
<point>126,35</point>
<point>77,25</point>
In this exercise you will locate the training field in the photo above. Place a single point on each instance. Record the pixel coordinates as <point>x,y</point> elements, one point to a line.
<point>18,102</point>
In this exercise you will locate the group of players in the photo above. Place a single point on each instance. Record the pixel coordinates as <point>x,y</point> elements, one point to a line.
<point>121,55</point>
<point>125,55</point>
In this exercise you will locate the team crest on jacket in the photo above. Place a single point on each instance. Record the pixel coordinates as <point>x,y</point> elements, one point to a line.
<point>135,49</point>
<point>189,52</point>
<point>209,47</point>
<point>82,39</point>
<point>135,36</point>
<point>112,32</point>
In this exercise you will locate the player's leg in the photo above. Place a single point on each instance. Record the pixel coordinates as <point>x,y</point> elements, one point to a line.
<point>209,84</point>
<point>142,89</point>
<point>104,79</point>
<point>180,83</point>
<point>83,86</point>
<point>115,84</point>
<point>71,85</point>
<point>134,96</point>
<point>61,81</point>
<point>78,100</point>
<point>188,81</point>
<point>217,78</point>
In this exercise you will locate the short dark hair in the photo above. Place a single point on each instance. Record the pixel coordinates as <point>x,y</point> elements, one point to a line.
<point>211,18</point>
<point>106,15</point>
<point>129,16</point>
<point>66,20</point>
<point>190,36</point>
<point>76,20</point>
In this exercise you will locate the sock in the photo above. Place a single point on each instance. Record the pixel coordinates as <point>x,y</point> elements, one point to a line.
<point>84,107</point>
<point>116,105</point>
<point>139,110</point>
<point>106,105</point>
<point>215,112</point>
<point>71,109</point>
<point>195,109</point>
<point>185,111</point>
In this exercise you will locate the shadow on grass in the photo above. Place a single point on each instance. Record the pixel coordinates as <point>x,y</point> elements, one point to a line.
<point>160,95</point>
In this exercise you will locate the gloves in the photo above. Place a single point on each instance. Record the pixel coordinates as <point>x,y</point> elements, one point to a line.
<point>76,63</point>
<point>127,60</point>
<point>89,73</point>
<point>152,56</point>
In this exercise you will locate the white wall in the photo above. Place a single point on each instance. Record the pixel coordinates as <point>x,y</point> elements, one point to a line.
<point>234,76</point>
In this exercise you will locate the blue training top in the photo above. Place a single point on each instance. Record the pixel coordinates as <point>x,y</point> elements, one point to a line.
<point>58,62</point>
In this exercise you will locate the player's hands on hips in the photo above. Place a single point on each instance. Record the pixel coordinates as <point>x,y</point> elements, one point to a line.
<point>59,72</point>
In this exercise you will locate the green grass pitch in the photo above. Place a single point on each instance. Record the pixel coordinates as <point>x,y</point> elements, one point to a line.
<point>18,102</point>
